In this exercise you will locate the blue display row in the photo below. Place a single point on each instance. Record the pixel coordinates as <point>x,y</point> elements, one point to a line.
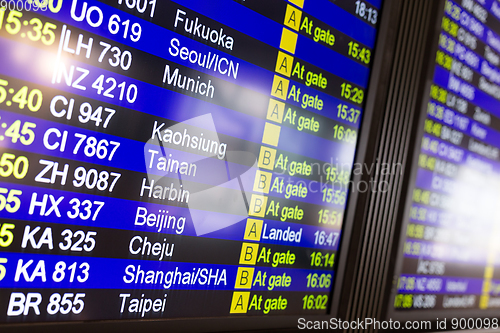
<point>64,141</point>
<point>306,49</point>
<point>53,271</point>
<point>439,285</point>
<point>88,210</point>
<point>452,83</point>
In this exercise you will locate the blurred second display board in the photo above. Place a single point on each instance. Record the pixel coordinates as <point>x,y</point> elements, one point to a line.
<point>449,254</point>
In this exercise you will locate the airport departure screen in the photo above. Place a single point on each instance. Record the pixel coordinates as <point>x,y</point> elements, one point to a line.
<point>170,159</point>
<point>451,252</point>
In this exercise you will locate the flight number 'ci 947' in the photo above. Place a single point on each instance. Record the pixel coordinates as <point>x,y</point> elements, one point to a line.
<point>61,107</point>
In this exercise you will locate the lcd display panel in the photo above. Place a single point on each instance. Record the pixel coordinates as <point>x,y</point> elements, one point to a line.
<point>449,255</point>
<point>165,159</point>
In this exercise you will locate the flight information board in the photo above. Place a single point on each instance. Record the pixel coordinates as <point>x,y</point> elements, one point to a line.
<point>167,159</point>
<point>451,251</point>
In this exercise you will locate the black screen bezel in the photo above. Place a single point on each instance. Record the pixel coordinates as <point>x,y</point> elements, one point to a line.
<point>398,244</point>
